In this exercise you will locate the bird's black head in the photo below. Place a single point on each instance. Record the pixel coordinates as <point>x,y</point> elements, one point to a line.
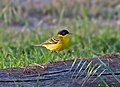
<point>63,32</point>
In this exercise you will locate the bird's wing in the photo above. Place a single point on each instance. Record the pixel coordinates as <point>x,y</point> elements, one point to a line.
<point>53,40</point>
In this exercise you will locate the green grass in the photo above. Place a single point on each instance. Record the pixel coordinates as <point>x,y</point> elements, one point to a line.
<point>16,48</point>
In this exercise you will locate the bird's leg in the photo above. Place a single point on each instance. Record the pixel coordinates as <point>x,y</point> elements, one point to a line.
<point>59,54</point>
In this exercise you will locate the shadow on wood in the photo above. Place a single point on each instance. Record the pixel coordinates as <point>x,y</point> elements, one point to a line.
<point>90,72</point>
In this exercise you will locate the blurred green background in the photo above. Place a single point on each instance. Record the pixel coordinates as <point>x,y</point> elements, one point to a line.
<point>95,25</point>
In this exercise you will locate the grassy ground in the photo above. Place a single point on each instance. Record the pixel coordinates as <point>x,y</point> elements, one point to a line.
<point>87,40</point>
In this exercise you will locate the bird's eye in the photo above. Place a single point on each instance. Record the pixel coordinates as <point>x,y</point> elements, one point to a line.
<point>63,33</point>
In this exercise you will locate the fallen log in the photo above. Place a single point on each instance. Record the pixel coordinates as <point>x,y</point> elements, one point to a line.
<point>84,72</point>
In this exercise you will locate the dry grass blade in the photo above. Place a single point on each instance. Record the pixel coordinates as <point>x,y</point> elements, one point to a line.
<point>99,75</point>
<point>77,68</point>
<point>73,64</point>
<point>90,73</point>
<point>110,70</point>
<point>79,71</point>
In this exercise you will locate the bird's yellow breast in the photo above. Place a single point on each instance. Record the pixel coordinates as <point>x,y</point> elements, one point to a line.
<point>65,42</point>
<point>61,45</point>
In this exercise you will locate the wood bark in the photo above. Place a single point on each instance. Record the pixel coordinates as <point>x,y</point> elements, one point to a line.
<point>83,72</point>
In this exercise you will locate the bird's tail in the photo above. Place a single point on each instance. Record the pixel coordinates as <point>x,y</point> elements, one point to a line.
<point>37,45</point>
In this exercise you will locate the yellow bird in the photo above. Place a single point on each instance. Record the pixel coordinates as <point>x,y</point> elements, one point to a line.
<point>58,42</point>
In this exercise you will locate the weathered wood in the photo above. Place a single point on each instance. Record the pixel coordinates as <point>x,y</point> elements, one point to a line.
<point>88,72</point>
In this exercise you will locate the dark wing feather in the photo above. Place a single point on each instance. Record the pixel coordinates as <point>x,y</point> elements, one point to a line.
<point>53,40</point>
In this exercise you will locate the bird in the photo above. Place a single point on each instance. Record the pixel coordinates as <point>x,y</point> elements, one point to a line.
<point>58,42</point>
